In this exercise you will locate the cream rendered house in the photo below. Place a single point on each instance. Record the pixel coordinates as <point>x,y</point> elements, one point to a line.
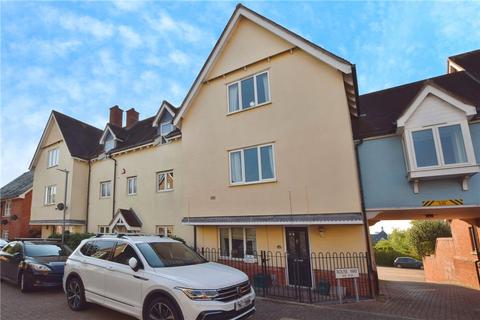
<point>66,144</point>
<point>268,156</point>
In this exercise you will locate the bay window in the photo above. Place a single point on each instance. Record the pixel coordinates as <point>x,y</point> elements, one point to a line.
<point>249,92</point>
<point>238,242</point>
<point>251,165</point>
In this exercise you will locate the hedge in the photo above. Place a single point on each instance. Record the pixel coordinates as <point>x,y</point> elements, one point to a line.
<point>72,239</point>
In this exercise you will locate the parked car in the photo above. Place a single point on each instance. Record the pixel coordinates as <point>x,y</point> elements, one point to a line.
<point>3,243</point>
<point>407,262</point>
<point>154,277</point>
<point>33,263</point>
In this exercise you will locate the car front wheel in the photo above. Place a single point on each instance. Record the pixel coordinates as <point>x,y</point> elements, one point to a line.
<point>76,294</point>
<point>398,265</point>
<point>161,308</point>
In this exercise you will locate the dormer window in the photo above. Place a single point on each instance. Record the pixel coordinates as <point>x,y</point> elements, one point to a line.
<point>109,143</point>
<point>165,128</point>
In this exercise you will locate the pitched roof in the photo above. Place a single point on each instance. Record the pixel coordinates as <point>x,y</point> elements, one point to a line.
<point>142,132</point>
<point>469,61</point>
<point>17,186</point>
<point>80,138</point>
<point>381,109</point>
<point>129,216</point>
<point>382,235</point>
<point>241,11</point>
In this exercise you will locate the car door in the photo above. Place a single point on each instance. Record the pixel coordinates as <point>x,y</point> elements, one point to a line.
<point>95,263</point>
<point>5,259</point>
<point>11,261</point>
<point>124,285</point>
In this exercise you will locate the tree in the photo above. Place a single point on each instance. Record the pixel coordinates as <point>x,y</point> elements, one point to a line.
<point>424,233</point>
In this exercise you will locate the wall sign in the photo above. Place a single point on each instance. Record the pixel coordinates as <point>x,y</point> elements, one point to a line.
<point>442,203</point>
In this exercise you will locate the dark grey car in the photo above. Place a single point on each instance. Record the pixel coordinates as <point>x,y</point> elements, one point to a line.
<point>407,262</point>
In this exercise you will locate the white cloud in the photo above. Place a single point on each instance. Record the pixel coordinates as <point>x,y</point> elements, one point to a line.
<point>46,48</point>
<point>132,5</point>
<point>179,57</point>
<point>78,23</point>
<point>130,37</point>
<point>166,25</point>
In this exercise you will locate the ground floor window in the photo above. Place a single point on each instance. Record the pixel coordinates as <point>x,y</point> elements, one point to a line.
<point>5,234</point>
<point>103,229</point>
<point>164,230</point>
<point>238,242</point>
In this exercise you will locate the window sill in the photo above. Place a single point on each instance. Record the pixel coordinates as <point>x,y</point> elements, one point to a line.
<point>52,166</point>
<point>247,109</point>
<point>131,194</point>
<point>48,204</point>
<point>165,191</point>
<point>104,198</point>
<point>252,183</point>
<point>444,171</point>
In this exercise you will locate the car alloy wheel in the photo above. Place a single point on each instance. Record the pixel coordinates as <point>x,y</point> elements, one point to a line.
<point>161,311</point>
<point>73,294</point>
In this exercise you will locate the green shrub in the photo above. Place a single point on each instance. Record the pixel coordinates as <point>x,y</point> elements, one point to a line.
<point>386,253</point>
<point>424,233</point>
<point>174,237</point>
<point>72,239</point>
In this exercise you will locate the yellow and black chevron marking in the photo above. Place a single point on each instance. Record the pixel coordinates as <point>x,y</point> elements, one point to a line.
<point>439,203</point>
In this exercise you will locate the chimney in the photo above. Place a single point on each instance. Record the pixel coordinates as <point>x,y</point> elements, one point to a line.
<point>116,116</point>
<point>132,117</point>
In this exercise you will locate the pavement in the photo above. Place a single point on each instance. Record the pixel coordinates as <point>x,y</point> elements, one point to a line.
<point>404,296</point>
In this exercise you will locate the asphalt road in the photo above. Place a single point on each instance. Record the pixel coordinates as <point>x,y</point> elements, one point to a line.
<point>401,274</point>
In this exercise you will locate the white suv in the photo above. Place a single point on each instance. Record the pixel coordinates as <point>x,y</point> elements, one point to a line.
<point>154,278</point>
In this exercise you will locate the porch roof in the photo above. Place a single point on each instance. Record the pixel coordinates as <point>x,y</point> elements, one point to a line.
<point>283,219</point>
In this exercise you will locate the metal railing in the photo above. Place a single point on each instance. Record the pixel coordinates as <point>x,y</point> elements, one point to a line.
<point>310,279</point>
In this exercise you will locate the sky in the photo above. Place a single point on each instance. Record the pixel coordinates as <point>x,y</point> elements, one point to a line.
<point>82,57</point>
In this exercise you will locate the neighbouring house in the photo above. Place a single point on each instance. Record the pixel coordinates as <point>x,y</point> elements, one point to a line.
<point>16,201</point>
<point>419,147</point>
<point>456,259</point>
<point>259,157</point>
<point>382,235</point>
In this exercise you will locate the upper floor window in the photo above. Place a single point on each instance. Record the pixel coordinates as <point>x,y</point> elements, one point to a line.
<point>439,146</point>
<point>249,92</point>
<point>7,210</point>
<point>251,165</point>
<point>109,143</point>
<point>53,157</point>
<point>50,193</point>
<point>165,181</point>
<point>105,189</point>
<point>131,186</point>
<point>165,128</point>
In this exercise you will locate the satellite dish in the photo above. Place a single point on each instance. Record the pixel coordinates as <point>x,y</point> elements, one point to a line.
<point>60,206</point>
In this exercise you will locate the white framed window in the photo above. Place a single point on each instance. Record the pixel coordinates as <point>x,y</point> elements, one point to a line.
<point>53,156</point>
<point>238,242</point>
<point>132,186</point>
<point>50,192</point>
<point>109,143</point>
<point>438,146</point>
<point>105,189</point>
<point>165,181</point>
<point>103,229</point>
<point>5,234</point>
<point>7,210</point>
<point>164,230</point>
<point>165,128</point>
<point>252,164</point>
<point>249,92</point>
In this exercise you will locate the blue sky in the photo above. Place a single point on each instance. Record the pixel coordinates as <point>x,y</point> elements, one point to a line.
<point>83,57</point>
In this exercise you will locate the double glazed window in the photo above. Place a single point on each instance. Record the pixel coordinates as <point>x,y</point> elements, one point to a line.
<point>439,146</point>
<point>249,92</point>
<point>165,181</point>
<point>165,128</point>
<point>250,165</point>
<point>238,242</point>
<point>53,158</point>
<point>103,229</point>
<point>105,189</point>
<point>131,186</point>
<point>50,193</point>
<point>8,208</point>
<point>166,231</point>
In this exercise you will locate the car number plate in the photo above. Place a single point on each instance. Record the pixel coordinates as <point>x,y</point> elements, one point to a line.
<point>242,303</point>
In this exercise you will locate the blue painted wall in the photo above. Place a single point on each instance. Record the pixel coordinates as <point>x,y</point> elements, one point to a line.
<point>385,182</point>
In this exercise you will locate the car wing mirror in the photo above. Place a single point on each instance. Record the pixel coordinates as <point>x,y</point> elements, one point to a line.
<point>133,263</point>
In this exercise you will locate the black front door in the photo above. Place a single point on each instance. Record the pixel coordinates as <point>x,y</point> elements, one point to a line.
<point>298,256</point>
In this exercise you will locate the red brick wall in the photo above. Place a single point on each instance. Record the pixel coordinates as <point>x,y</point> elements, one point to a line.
<point>454,260</point>
<point>20,228</point>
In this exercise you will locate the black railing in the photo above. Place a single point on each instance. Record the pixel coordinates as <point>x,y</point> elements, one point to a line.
<point>309,279</point>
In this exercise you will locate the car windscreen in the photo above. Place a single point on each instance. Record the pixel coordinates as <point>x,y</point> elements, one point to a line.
<point>35,249</point>
<point>169,254</point>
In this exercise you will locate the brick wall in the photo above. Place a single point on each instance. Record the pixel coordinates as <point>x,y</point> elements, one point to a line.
<point>454,259</point>
<point>20,227</point>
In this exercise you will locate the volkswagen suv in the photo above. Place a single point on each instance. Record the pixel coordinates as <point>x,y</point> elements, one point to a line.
<point>153,278</point>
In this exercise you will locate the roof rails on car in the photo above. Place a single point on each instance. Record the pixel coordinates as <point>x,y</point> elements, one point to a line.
<point>36,239</point>
<point>125,235</point>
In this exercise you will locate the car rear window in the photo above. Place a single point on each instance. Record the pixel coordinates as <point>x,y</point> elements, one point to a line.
<point>35,249</point>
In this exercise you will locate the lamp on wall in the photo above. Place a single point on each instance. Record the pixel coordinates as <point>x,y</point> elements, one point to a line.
<point>321,231</point>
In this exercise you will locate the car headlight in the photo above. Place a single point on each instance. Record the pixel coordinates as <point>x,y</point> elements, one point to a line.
<point>39,267</point>
<point>199,294</point>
